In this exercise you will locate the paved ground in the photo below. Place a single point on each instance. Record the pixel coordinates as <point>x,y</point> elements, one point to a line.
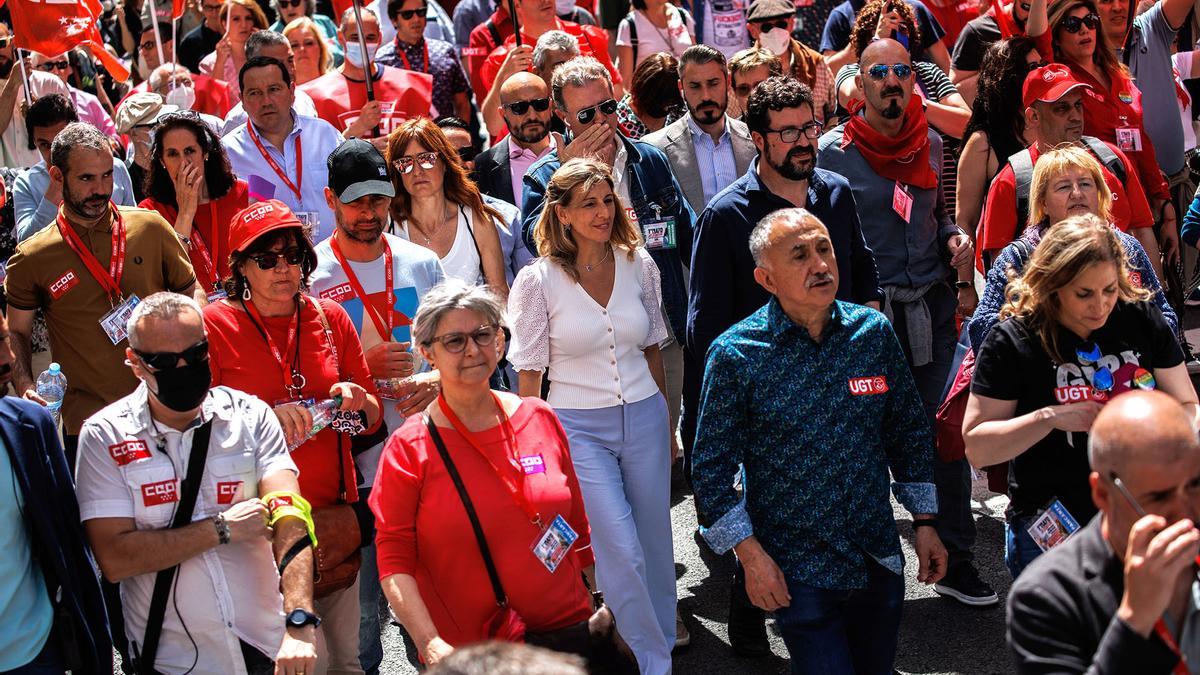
<point>936,636</point>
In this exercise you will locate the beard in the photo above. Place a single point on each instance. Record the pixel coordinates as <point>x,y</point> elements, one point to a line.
<point>707,112</point>
<point>893,109</point>
<point>89,206</point>
<point>532,131</point>
<point>6,66</point>
<point>365,231</point>
<point>797,164</point>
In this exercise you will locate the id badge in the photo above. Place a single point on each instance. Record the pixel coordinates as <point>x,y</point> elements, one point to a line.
<point>554,543</point>
<point>1129,139</point>
<point>310,222</point>
<point>902,202</point>
<point>216,295</point>
<point>114,322</point>
<point>660,234</point>
<point>1053,527</point>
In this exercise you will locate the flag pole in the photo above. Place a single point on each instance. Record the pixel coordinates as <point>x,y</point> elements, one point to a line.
<point>24,76</point>
<point>157,37</point>
<point>367,65</point>
<point>512,9</point>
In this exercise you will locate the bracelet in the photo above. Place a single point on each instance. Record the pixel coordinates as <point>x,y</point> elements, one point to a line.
<point>186,241</point>
<point>222,528</point>
<point>925,522</point>
<point>963,284</point>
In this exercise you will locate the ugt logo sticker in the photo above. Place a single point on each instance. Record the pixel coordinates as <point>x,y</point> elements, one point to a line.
<point>862,386</point>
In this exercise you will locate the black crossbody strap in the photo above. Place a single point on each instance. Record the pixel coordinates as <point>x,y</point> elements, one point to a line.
<point>497,587</point>
<point>183,516</point>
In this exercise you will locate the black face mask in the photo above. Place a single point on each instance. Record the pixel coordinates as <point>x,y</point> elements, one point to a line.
<point>182,389</point>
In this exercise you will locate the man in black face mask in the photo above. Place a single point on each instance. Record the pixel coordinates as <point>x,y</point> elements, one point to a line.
<point>171,443</point>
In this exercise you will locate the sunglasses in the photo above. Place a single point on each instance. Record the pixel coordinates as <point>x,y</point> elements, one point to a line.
<point>879,71</point>
<point>268,261</point>
<point>405,164</point>
<point>456,342</point>
<point>5,41</point>
<point>290,3</point>
<point>51,66</point>
<point>521,107</point>
<point>1089,355</point>
<point>408,14</point>
<point>197,353</point>
<point>771,25</point>
<point>812,130</point>
<point>1072,24</point>
<point>588,114</point>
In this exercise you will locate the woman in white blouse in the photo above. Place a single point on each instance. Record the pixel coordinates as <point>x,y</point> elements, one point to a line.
<point>652,26</point>
<point>588,310</point>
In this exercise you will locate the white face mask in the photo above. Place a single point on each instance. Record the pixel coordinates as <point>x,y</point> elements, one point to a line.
<point>182,96</point>
<point>776,41</point>
<point>143,67</point>
<point>354,54</point>
<point>564,7</point>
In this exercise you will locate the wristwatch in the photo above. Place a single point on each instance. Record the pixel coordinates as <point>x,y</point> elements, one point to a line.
<point>299,618</point>
<point>964,284</point>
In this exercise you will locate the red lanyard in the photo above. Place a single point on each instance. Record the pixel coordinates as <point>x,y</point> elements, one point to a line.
<point>516,487</point>
<point>294,187</point>
<point>404,58</point>
<point>1180,668</point>
<point>209,262</point>
<point>109,279</point>
<point>383,324</point>
<point>293,381</point>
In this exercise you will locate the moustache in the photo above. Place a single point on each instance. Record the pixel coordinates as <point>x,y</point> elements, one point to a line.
<point>892,91</point>
<point>708,104</point>
<point>800,153</point>
<point>823,277</point>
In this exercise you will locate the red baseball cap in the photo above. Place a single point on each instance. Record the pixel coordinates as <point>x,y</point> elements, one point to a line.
<point>1048,84</point>
<point>258,219</point>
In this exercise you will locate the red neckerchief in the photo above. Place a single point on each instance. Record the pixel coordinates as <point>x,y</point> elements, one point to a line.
<point>109,279</point>
<point>903,158</point>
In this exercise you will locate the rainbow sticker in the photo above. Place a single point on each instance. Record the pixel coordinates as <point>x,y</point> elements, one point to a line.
<point>1143,379</point>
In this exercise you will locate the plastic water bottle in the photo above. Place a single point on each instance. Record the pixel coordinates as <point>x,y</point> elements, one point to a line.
<point>322,414</point>
<point>52,386</point>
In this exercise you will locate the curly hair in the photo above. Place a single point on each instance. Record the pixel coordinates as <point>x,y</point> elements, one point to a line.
<point>863,31</point>
<point>218,175</point>
<point>1001,79</point>
<point>1065,251</point>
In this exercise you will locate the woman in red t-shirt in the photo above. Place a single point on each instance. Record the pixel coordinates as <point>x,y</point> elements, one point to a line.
<point>191,184</point>
<point>516,468</point>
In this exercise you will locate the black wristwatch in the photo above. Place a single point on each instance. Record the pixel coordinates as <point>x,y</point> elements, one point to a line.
<point>299,618</point>
<point>964,284</point>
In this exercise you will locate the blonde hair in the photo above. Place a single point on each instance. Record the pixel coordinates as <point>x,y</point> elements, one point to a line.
<point>1051,166</point>
<point>305,23</point>
<point>570,182</point>
<point>749,59</point>
<point>1065,251</point>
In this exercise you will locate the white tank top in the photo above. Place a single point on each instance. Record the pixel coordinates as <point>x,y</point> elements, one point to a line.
<point>462,261</point>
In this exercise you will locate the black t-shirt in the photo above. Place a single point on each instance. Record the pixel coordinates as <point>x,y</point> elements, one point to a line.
<point>1012,366</point>
<point>973,42</point>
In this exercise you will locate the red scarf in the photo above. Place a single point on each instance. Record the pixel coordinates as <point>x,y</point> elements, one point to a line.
<point>903,158</point>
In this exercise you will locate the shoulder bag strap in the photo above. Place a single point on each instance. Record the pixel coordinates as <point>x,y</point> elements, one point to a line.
<point>493,575</point>
<point>164,579</point>
<point>478,254</point>
<point>327,330</point>
<point>633,39</point>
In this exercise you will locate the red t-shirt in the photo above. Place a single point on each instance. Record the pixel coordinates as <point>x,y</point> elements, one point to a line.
<point>593,41</point>
<point>423,530</point>
<point>952,17</point>
<point>215,241</point>
<point>241,359</point>
<point>404,93</point>
<point>999,226</point>
<point>480,46</point>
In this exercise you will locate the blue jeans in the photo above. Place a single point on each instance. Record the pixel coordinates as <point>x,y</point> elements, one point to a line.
<point>47,662</point>
<point>1019,547</point>
<point>852,632</point>
<point>370,599</point>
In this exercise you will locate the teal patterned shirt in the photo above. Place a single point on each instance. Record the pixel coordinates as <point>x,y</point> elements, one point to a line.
<point>817,426</point>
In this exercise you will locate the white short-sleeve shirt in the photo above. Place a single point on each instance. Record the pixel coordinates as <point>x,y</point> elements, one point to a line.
<point>674,39</point>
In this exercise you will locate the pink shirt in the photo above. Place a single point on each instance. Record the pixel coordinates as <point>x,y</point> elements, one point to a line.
<point>519,161</point>
<point>90,110</point>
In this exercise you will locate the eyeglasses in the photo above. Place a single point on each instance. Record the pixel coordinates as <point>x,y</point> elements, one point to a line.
<point>1072,24</point>
<point>467,153</point>
<point>146,46</point>
<point>268,261</point>
<point>51,66</point>
<point>197,353</point>
<point>290,3</point>
<point>405,164</point>
<point>456,342</point>
<point>1089,354</point>
<point>771,25</point>
<point>879,71</point>
<point>408,14</point>
<point>521,107</point>
<point>588,114</point>
<point>812,130</point>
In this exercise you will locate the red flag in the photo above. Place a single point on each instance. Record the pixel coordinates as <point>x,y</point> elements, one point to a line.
<point>53,27</point>
<point>177,8</point>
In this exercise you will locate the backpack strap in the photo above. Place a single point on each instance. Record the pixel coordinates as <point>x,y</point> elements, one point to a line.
<point>1106,156</point>
<point>495,33</point>
<point>633,36</point>
<point>1022,166</point>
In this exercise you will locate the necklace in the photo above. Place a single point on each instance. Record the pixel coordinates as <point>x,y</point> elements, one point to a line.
<point>421,229</point>
<point>607,250</point>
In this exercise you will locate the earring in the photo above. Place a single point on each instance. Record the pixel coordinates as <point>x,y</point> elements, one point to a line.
<point>246,293</point>
<point>567,226</point>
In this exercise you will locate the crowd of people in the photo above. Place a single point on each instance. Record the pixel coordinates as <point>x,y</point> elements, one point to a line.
<point>412,308</point>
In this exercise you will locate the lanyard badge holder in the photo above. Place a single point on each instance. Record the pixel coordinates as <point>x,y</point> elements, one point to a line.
<point>660,232</point>
<point>114,322</point>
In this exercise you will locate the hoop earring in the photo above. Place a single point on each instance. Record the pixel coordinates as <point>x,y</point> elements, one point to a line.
<point>246,293</point>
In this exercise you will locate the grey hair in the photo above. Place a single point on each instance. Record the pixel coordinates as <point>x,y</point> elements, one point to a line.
<point>77,134</point>
<point>162,305</point>
<point>553,41</point>
<point>760,236</point>
<point>448,296</point>
<point>576,73</point>
<point>158,77</point>
<point>263,38</point>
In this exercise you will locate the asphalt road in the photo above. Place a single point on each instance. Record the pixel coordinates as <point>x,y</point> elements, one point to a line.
<point>936,635</point>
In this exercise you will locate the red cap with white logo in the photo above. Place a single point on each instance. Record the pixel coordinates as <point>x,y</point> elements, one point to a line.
<point>1048,84</point>
<point>258,219</point>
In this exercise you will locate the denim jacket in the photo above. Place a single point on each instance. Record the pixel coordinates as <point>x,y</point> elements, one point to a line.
<point>655,194</point>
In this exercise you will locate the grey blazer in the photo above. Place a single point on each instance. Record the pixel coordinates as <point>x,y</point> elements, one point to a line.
<point>675,140</point>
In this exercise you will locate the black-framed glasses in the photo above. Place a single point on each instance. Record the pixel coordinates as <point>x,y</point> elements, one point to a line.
<point>290,3</point>
<point>146,46</point>
<point>168,360</point>
<point>456,342</point>
<point>408,14</point>
<point>1089,354</point>
<point>588,114</point>
<point>1072,24</point>
<point>879,71</point>
<point>51,66</point>
<point>812,130</point>
<point>519,108</point>
<point>467,153</point>
<point>270,260</point>
<point>772,24</point>
<point>405,164</point>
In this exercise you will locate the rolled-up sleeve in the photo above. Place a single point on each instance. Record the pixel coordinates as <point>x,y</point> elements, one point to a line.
<point>720,434</point>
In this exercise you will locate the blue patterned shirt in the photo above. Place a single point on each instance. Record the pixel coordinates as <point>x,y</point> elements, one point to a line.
<point>818,426</point>
<point>448,76</point>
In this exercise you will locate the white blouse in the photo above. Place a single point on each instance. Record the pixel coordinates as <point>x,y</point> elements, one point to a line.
<point>594,352</point>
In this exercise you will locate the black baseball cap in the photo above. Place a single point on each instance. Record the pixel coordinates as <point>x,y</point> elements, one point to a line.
<point>356,169</point>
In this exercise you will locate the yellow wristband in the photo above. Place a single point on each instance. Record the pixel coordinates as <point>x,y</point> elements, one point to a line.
<point>284,504</point>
